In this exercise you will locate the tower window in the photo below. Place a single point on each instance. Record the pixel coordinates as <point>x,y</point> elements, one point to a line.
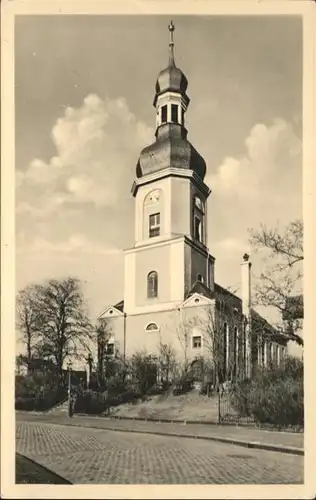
<point>152,285</point>
<point>164,114</point>
<point>174,113</point>
<point>198,204</point>
<point>154,225</point>
<point>200,278</point>
<point>197,229</point>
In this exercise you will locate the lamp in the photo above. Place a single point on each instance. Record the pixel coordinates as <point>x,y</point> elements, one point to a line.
<point>69,367</point>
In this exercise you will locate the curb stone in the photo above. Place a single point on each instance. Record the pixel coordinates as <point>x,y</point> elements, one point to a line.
<point>213,423</point>
<point>246,444</point>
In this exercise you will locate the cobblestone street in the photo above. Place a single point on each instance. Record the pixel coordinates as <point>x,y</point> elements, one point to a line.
<point>99,456</point>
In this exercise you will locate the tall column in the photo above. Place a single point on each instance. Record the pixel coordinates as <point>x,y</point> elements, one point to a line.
<point>259,348</point>
<point>180,115</point>
<point>227,351</point>
<point>278,355</point>
<point>246,309</point>
<point>169,112</point>
<point>237,357</point>
<point>265,347</point>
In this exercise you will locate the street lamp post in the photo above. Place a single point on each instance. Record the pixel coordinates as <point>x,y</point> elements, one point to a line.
<point>89,371</point>
<point>69,366</point>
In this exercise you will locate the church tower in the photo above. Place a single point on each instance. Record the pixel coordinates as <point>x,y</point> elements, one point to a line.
<point>170,252</point>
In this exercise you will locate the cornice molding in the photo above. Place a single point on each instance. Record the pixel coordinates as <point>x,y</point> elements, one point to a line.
<point>172,172</point>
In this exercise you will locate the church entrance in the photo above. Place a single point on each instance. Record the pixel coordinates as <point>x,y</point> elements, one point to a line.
<point>197,370</point>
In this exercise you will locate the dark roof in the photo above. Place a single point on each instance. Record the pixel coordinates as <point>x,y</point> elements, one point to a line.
<point>259,323</point>
<point>202,289</point>
<point>294,308</point>
<point>223,292</point>
<point>120,306</point>
<point>171,78</point>
<point>171,149</point>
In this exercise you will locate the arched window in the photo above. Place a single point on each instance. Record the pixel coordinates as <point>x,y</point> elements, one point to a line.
<point>152,285</point>
<point>200,278</point>
<point>198,219</point>
<point>152,327</point>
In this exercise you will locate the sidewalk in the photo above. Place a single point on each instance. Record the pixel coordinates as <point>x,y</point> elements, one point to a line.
<point>285,442</point>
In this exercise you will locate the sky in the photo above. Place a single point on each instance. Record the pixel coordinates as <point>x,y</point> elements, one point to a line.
<point>84,88</point>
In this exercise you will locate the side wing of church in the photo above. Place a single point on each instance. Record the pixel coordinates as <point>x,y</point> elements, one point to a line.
<point>170,296</point>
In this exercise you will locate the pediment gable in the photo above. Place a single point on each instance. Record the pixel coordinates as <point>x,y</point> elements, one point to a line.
<point>196,299</point>
<point>110,312</point>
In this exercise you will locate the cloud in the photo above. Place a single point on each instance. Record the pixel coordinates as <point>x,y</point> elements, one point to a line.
<point>272,156</point>
<point>262,185</point>
<point>229,247</point>
<point>76,243</point>
<point>97,146</point>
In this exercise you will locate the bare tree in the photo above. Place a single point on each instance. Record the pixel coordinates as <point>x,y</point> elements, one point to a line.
<point>143,371</point>
<point>27,304</point>
<point>282,275</point>
<point>183,330</point>
<point>221,325</point>
<point>104,333</point>
<point>166,362</point>
<point>63,321</point>
<point>223,328</point>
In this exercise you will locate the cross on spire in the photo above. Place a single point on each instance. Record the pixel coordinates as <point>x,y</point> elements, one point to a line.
<point>171,44</point>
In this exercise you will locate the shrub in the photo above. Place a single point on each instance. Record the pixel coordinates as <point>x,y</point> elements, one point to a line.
<point>207,388</point>
<point>25,404</point>
<point>38,391</point>
<point>143,371</point>
<point>158,389</point>
<point>90,402</point>
<point>116,385</point>
<point>274,397</point>
<point>96,403</point>
<point>183,384</point>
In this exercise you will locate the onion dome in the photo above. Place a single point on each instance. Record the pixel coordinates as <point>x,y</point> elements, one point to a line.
<point>171,149</point>
<point>171,78</point>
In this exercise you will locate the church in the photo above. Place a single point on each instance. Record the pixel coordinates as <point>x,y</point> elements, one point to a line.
<point>170,293</point>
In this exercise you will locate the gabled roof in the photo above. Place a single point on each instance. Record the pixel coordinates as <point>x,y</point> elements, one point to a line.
<point>258,322</point>
<point>200,288</point>
<point>111,311</point>
<point>262,324</point>
<point>120,306</point>
<point>197,299</point>
<point>234,301</point>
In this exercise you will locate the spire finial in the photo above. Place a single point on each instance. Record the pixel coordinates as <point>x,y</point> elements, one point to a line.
<point>171,44</point>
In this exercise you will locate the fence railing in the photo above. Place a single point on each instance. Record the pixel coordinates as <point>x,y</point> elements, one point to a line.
<point>226,410</point>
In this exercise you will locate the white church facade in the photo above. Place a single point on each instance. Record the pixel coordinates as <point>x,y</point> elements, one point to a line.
<point>169,271</point>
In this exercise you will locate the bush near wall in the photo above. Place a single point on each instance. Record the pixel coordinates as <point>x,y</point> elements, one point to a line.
<point>38,392</point>
<point>273,397</point>
<point>95,403</point>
